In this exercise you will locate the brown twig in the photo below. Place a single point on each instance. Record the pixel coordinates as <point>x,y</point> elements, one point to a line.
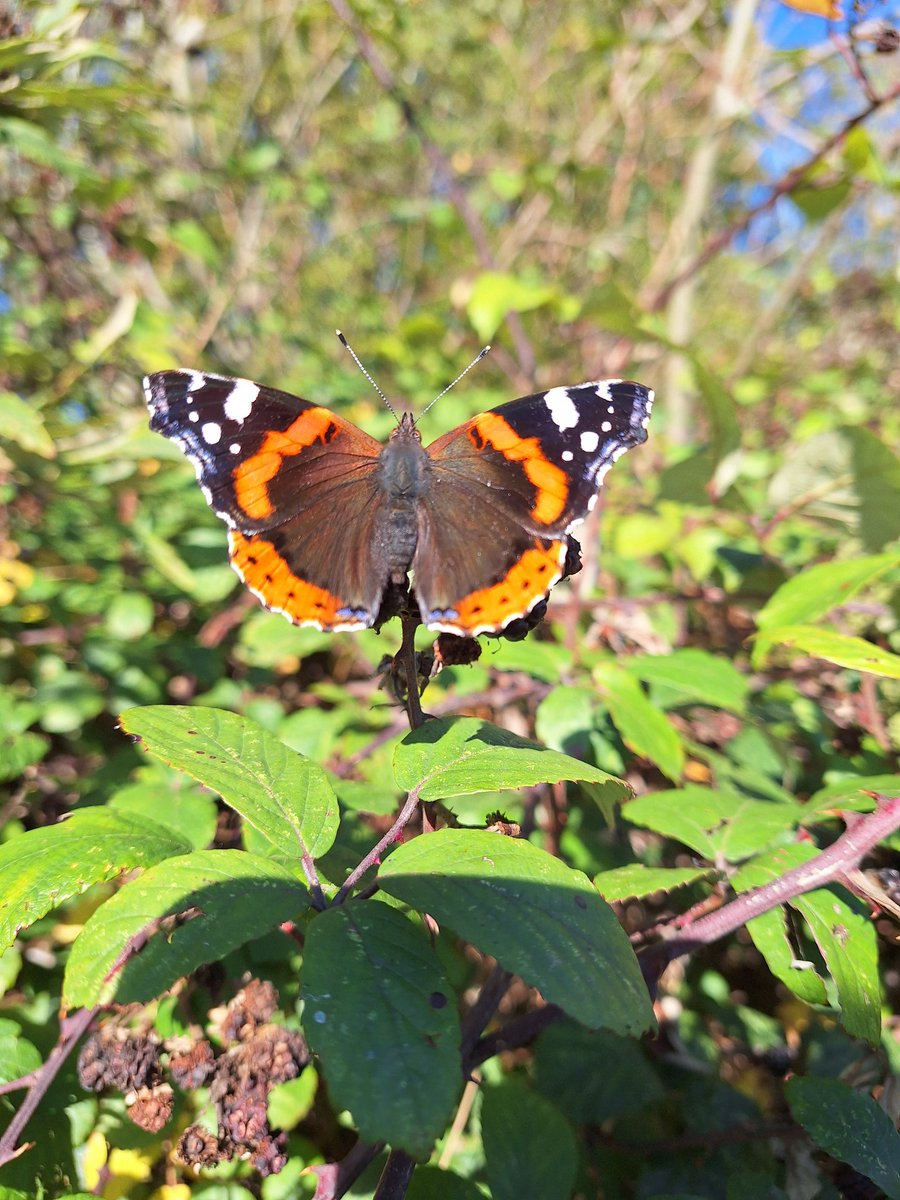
<point>442,167</point>
<point>782,187</point>
<point>71,1029</point>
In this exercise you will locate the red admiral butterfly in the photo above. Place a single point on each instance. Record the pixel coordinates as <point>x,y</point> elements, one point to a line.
<point>325,521</point>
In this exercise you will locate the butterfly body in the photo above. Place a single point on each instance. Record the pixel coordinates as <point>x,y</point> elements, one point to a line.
<point>325,521</point>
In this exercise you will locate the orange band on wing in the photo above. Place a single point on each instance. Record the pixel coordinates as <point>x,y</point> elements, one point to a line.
<point>270,578</point>
<point>549,480</point>
<point>252,477</point>
<point>526,582</point>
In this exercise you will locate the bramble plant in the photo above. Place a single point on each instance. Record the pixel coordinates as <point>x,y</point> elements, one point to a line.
<point>606,911</point>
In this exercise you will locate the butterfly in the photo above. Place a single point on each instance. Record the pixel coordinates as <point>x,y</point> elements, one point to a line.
<point>325,523</point>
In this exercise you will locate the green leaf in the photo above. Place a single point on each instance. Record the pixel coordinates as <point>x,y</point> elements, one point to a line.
<point>721,411</point>
<point>129,616</point>
<point>817,203</point>
<point>434,1183</point>
<point>172,800</point>
<point>43,867</point>
<point>23,424</point>
<point>854,653</point>
<point>217,899</point>
<point>642,727</point>
<point>593,1075</point>
<point>847,477</point>
<point>542,660</point>
<point>458,756</point>
<point>637,880</point>
<point>494,294</point>
<point>17,1057</point>
<point>844,933</point>
<point>714,822</point>
<point>534,914</point>
<point>850,1127</point>
<point>847,795</point>
<point>284,797</point>
<point>565,715</point>
<point>692,674</point>
<point>517,1127</point>
<point>290,1102</point>
<point>380,1013</point>
<point>770,932</point>
<point>816,591</point>
<point>18,751</point>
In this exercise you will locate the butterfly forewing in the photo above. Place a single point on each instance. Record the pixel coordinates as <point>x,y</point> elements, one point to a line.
<point>324,518</point>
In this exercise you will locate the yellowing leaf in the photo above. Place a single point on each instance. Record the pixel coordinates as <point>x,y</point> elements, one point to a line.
<point>126,1168</point>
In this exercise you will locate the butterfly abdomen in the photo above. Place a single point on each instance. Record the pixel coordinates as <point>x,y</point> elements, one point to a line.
<point>403,477</point>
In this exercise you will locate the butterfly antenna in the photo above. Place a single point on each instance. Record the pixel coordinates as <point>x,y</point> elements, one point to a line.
<point>355,358</point>
<point>475,360</point>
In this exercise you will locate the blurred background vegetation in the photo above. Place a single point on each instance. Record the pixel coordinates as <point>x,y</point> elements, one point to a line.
<point>599,189</point>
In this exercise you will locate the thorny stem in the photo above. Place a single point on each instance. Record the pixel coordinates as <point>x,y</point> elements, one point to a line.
<point>831,866</point>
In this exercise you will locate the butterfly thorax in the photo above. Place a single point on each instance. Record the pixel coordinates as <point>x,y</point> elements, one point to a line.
<point>403,475</point>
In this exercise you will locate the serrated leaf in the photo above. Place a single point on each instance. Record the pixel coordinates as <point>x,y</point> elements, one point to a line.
<point>218,899</point>
<point>537,916</point>
<point>379,1012</point>
<point>817,590</point>
<point>458,756</point>
<point>714,822</point>
<point>850,1127</point>
<point>642,727</point>
<point>43,867</point>
<point>286,798</point>
<point>517,1127</point>
<point>637,880</point>
<point>694,674</point>
<point>854,653</point>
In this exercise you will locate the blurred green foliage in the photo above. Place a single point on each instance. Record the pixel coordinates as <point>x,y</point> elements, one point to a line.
<point>219,186</point>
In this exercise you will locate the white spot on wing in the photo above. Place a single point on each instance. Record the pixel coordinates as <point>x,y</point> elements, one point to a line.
<point>606,426</point>
<point>567,455</point>
<point>590,440</point>
<point>235,448</point>
<point>195,380</point>
<point>562,408</point>
<point>193,416</point>
<point>211,432</point>
<point>240,400</point>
